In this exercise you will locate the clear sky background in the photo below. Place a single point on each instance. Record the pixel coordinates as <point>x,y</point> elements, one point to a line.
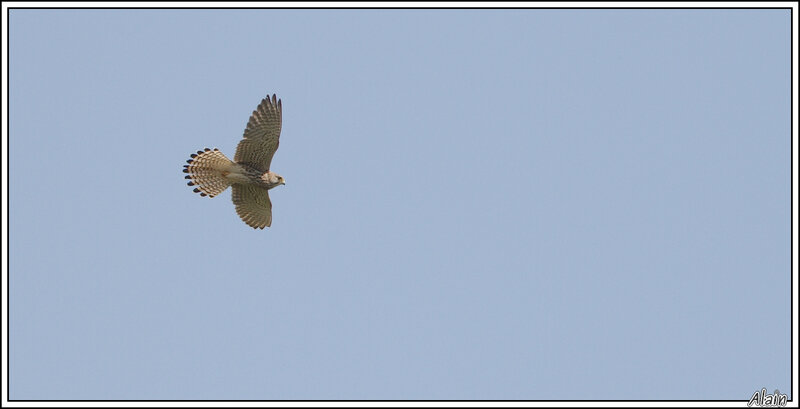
<point>484,204</point>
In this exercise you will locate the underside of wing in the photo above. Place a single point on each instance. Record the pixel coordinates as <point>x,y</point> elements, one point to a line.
<point>252,205</point>
<point>261,135</point>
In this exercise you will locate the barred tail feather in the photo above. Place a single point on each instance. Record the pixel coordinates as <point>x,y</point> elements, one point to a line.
<point>207,170</point>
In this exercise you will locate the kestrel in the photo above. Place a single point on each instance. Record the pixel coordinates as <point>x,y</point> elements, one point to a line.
<point>248,172</point>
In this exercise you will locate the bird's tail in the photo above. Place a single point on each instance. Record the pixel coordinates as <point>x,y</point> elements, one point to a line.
<point>207,170</point>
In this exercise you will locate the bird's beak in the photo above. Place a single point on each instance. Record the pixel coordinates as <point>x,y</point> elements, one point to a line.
<point>283,182</point>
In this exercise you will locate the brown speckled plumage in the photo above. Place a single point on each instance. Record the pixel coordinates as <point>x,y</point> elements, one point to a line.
<point>249,174</point>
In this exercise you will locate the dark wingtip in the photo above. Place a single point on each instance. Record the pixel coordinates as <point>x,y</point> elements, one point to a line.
<point>196,190</point>
<point>216,150</point>
<point>186,171</point>
<point>190,183</point>
<point>207,149</point>
<point>189,161</point>
<point>202,194</point>
<point>187,177</point>
<point>194,155</point>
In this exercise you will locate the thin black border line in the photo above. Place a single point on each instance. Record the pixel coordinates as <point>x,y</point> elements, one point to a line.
<point>791,201</point>
<point>397,8</point>
<point>8,207</point>
<point>791,187</point>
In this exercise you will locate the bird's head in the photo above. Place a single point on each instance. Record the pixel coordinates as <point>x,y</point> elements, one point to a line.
<point>273,179</point>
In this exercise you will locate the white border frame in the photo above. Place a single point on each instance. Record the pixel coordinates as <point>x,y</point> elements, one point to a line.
<point>211,5</point>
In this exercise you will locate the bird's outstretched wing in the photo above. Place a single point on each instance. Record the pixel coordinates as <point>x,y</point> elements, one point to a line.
<point>253,205</point>
<point>261,135</point>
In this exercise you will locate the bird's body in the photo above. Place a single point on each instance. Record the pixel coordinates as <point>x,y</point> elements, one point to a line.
<point>244,174</point>
<point>249,175</point>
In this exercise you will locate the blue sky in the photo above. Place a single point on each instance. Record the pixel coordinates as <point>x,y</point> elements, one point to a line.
<point>480,204</point>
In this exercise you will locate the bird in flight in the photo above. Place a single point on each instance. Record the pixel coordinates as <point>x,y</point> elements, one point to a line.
<point>211,172</point>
